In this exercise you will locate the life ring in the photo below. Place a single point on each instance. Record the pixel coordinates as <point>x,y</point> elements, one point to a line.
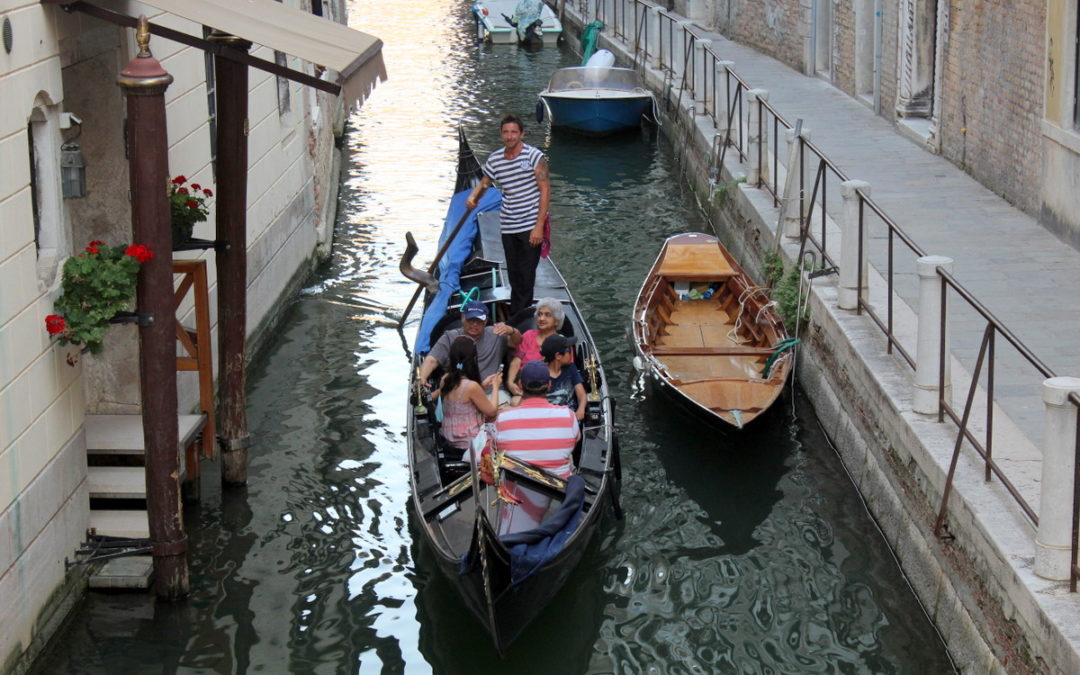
<point>574,84</point>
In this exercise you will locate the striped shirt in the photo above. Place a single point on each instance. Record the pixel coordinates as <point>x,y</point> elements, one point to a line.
<point>539,433</point>
<point>516,178</point>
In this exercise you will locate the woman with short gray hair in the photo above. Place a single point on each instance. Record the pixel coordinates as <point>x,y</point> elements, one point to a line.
<point>549,317</point>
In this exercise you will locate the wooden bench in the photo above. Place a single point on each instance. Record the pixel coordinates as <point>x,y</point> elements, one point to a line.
<point>712,351</point>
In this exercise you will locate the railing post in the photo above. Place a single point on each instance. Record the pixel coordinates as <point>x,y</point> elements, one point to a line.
<point>757,137</point>
<point>653,39</point>
<point>1053,541</point>
<point>792,189</point>
<point>852,241</point>
<point>701,78</point>
<point>729,86</point>
<point>678,54</point>
<point>927,354</point>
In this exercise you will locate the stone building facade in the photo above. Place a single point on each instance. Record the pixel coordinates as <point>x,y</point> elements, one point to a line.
<point>989,84</point>
<point>58,75</point>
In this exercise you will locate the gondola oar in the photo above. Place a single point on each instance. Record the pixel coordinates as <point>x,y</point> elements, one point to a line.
<point>434,263</point>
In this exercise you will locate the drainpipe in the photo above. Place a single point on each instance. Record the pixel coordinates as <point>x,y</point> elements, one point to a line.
<point>877,57</point>
<point>232,113</point>
<point>144,81</point>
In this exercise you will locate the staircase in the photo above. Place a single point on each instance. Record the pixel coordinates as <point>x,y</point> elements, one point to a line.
<point>116,452</point>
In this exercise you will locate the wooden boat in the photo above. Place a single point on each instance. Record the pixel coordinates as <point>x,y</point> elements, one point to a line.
<point>706,332</point>
<point>457,513</point>
<point>595,99</point>
<point>506,22</point>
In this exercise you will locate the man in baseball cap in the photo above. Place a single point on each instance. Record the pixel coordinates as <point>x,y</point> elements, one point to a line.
<point>492,343</point>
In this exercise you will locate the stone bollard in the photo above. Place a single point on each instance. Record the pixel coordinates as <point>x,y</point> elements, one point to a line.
<point>1053,541</point>
<point>925,398</point>
<point>653,41</point>
<point>679,40</point>
<point>757,137</point>
<point>726,88</point>
<point>792,197</point>
<point>703,95</point>
<point>850,261</point>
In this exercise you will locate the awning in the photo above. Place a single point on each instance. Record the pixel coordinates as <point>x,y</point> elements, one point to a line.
<point>356,57</point>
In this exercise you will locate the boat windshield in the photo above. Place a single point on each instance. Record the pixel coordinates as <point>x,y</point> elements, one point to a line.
<point>592,77</point>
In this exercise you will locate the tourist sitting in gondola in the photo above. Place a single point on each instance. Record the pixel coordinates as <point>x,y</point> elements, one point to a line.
<point>567,385</point>
<point>465,405</point>
<point>541,434</point>
<point>492,344</point>
<point>549,318</point>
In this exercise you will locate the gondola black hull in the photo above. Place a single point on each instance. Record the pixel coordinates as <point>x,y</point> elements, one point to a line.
<point>456,520</point>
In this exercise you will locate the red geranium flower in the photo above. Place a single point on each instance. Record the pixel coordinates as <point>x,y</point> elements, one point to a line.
<point>97,243</point>
<point>180,180</point>
<point>181,191</point>
<point>196,186</point>
<point>92,249</point>
<point>54,323</point>
<point>192,205</point>
<point>140,252</point>
<point>208,193</point>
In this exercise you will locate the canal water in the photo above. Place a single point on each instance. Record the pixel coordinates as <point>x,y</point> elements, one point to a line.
<point>748,553</point>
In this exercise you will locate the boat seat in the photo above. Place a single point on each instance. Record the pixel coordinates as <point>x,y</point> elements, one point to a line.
<point>712,351</point>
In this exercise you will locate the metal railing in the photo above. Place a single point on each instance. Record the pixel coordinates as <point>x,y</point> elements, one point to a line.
<point>731,113</point>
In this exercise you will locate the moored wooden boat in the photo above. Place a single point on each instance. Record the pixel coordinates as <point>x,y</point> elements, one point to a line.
<point>706,332</point>
<point>458,513</point>
<point>596,99</point>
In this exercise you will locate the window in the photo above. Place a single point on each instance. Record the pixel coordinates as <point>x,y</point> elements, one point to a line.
<point>283,102</point>
<point>47,203</point>
<point>316,7</point>
<point>211,101</point>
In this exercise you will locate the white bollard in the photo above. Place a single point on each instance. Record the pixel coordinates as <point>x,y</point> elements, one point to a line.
<point>850,290</point>
<point>792,205</point>
<point>925,398</point>
<point>727,87</point>
<point>1053,541</point>
<point>656,59</point>
<point>757,138</point>
<point>703,93</point>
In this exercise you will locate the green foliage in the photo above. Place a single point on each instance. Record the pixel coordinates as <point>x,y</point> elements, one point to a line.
<point>774,268</point>
<point>96,285</point>
<point>785,291</point>
<point>720,190</point>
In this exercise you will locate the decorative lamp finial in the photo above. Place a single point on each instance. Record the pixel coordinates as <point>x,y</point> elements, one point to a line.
<point>142,37</point>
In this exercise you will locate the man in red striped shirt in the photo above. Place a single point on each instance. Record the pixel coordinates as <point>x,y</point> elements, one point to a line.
<point>539,433</point>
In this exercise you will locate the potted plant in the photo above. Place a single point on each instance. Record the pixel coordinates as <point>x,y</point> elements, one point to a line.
<point>188,206</point>
<point>97,285</point>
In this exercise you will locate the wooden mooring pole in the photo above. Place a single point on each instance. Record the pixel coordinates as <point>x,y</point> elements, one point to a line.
<point>144,82</point>
<point>232,115</point>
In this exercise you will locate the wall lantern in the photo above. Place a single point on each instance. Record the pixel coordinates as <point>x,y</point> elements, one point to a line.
<point>72,171</point>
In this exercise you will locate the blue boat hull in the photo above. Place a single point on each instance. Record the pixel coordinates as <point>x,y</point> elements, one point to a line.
<point>596,116</point>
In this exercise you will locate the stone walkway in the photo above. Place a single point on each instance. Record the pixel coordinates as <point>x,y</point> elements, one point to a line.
<point>1021,272</point>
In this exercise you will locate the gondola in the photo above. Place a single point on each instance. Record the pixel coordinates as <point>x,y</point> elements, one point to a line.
<point>505,581</point>
<point>708,334</point>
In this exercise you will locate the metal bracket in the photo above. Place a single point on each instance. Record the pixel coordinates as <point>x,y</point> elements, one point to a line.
<point>98,547</point>
<point>133,317</point>
<point>823,272</point>
<point>233,444</point>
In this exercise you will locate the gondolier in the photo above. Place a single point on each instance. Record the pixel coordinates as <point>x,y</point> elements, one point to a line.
<point>521,172</point>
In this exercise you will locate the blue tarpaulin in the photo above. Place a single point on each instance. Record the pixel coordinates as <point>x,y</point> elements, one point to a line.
<point>532,549</point>
<point>453,259</point>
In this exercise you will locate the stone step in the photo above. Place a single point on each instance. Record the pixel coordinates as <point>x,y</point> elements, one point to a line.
<point>135,571</point>
<point>123,434</point>
<point>117,482</point>
<point>118,523</point>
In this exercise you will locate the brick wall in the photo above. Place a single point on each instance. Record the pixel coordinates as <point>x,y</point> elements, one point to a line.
<point>773,27</point>
<point>992,100</point>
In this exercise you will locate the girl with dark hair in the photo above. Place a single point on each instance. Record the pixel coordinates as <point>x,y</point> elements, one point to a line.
<point>464,403</point>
